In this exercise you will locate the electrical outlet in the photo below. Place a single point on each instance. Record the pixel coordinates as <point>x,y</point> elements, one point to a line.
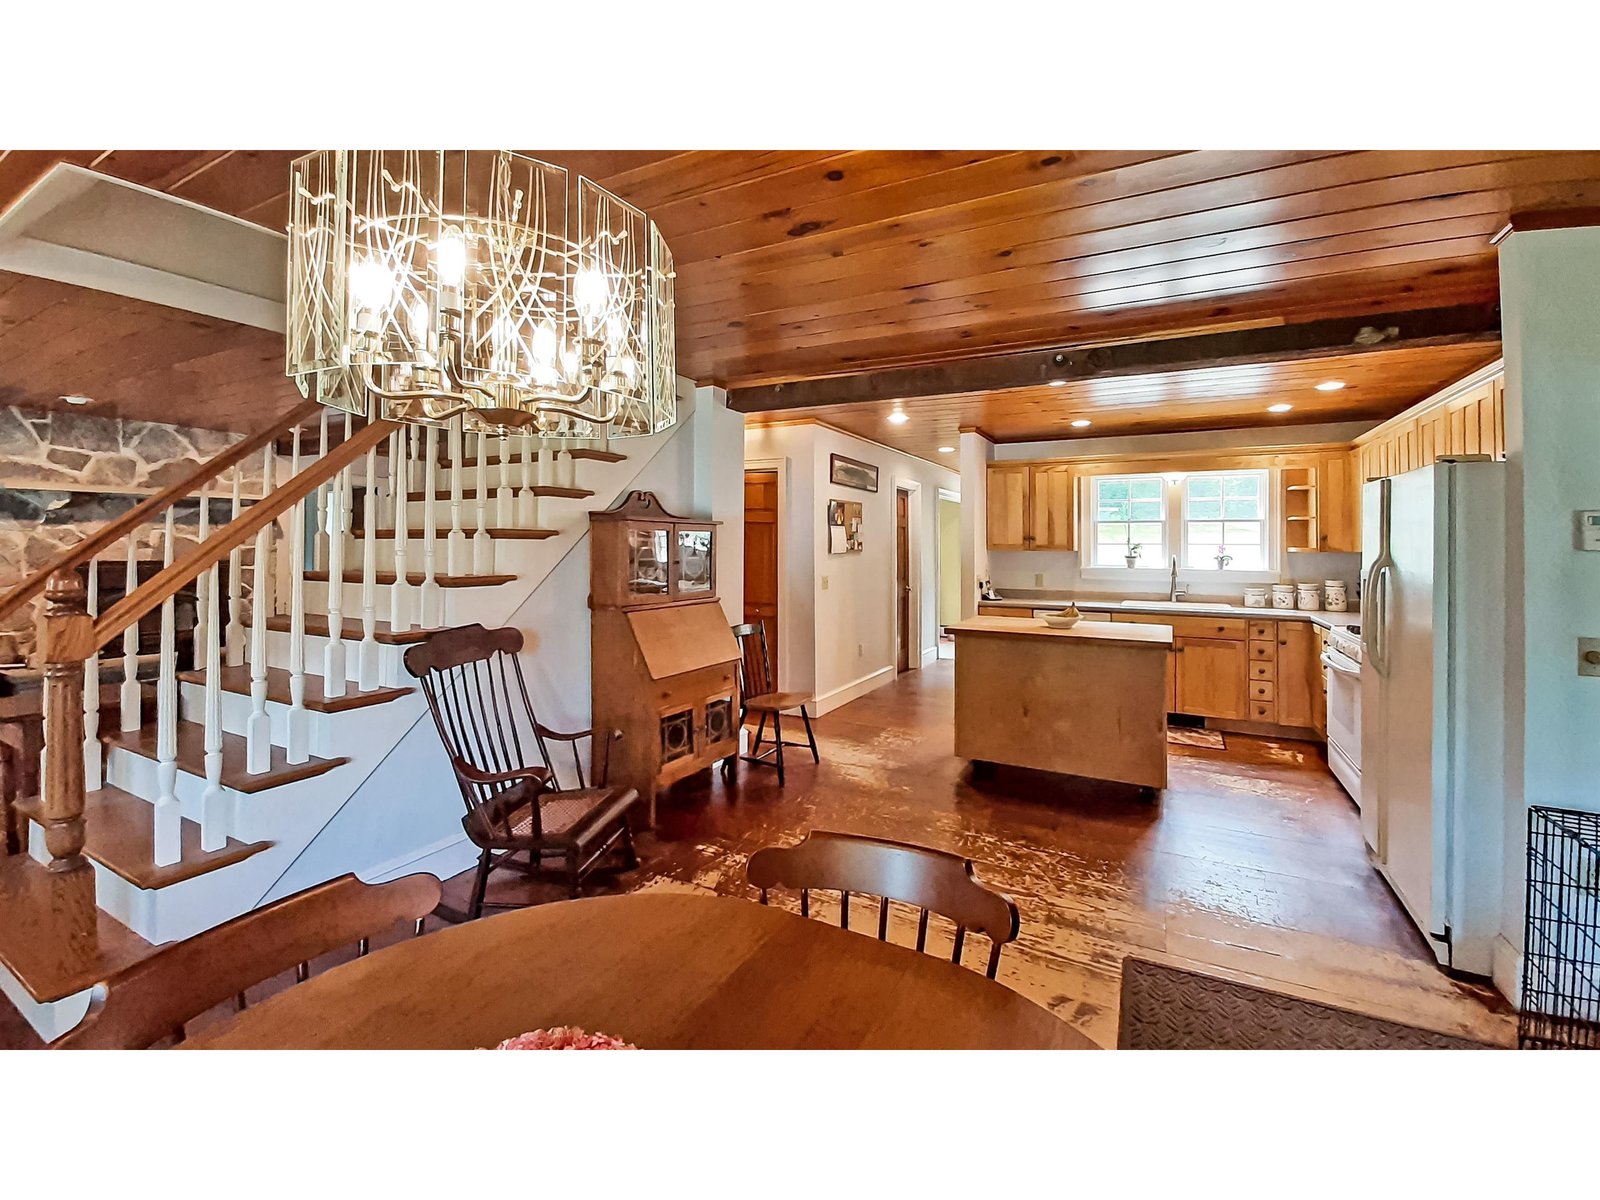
<point>1589,656</point>
<point>1038,579</point>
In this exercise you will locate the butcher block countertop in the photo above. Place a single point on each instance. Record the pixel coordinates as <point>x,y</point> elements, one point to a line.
<point>1157,637</point>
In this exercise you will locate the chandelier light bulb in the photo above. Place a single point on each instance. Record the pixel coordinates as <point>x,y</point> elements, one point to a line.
<point>371,286</point>
<point>450,260</point>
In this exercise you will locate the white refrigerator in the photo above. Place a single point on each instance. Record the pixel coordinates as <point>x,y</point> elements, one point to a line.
<point>1432,698</point>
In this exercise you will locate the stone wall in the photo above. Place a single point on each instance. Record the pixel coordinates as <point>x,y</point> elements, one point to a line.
<point>64,475</point>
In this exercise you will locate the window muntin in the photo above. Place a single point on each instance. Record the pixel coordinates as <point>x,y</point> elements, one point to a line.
<point>1225,513</point>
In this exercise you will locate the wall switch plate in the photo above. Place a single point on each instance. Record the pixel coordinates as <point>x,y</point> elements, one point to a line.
<point>1038,579</point>
<point>1589,529</point>
<point>824,583</point>
<point>1589,656</point>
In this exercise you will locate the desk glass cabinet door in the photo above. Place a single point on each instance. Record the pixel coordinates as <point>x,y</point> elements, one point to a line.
<point>694,574</point>
<point>649,563</point>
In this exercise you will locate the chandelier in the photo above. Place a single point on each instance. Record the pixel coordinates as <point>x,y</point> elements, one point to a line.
<point>430,284</point>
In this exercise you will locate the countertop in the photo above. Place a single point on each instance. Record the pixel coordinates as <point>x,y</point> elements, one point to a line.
<point>1101,633</point>
<point>1328,620</point>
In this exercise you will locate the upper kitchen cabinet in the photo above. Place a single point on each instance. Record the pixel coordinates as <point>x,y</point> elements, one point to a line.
<point>1030,506</point>
<point>1468,417</point>
<point>1319,497</point>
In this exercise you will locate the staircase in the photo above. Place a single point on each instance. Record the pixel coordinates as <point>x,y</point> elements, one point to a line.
<point>292,748</point>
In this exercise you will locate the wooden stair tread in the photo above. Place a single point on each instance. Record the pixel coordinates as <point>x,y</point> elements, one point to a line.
<point>353,575</point>
<point>527,535</point>
<point>542,490</point>
<point>120,832</point>
<point>192,758</point>
<point>605,456</point>
<point>237,681</point>
<point>44,938</point>
<point>317,626</point>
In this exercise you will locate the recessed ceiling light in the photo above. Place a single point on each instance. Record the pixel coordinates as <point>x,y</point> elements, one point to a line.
<point>76,399</point>
<point>947,449</point>
<point>1330,385</point>
<point>1279,408</point>
<point>898,418</point>
<point>1058,383</point>
<point>1082,423</point>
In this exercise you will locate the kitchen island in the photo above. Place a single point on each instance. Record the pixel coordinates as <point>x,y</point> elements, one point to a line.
<point>1089,701</point>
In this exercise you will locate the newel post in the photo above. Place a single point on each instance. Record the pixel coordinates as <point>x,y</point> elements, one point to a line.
<point>66,639</point>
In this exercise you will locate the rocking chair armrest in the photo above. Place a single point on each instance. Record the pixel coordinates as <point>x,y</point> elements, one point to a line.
<point>556,735</point>
<point>539,775</point>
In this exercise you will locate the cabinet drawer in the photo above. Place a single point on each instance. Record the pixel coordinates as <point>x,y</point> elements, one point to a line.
<point>1261,689</point>
<point>1263,651</point>
<point>990,610</point>
<point>1262,710</point>
<point>1262,670</point>
<point>1201,627</point>
<point>1263,631</point>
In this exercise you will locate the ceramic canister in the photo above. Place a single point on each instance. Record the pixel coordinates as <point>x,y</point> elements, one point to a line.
<point>1283,595</point>
<point>1335,597</point>
<point>1310,595</point>
<point>1255,597</point>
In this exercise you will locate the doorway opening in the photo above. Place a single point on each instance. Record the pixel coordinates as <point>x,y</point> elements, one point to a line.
<point>761,556</point>
<point>902,581</point>
<point>949,570</point>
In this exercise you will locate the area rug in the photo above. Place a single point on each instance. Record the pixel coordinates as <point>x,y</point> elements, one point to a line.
<point>1206,739</point>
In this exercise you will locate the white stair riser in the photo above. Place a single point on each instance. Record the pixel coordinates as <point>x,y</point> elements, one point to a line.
<point>316,648</point>
<point>455,600</point>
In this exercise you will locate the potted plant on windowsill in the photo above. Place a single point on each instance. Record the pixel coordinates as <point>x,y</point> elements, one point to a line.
<point>1132,557</point>
<point>1223,558</point>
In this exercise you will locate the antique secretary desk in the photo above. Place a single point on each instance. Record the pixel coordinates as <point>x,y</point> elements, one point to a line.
<point>663,659</point>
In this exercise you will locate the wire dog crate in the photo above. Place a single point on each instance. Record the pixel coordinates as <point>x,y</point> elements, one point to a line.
<point>1561,970</point>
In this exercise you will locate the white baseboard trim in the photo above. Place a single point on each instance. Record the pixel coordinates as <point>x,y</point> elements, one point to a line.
<point>930,655</point>
<point>444,859</point>
<point>1508,969</point>
<point>853,690</point>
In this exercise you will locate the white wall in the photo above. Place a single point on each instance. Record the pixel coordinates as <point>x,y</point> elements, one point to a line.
<point>1550,301</point>
<point>718,434</point>
<point>1059,570</point>
<point>949,561</point>
<point>836,616</point>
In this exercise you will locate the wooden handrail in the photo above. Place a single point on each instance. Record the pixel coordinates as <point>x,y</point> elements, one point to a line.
<point>75,556</point>
<point>170,580</point>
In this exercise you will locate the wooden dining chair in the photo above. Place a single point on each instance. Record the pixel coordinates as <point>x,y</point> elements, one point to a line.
<point>516,803</point>
<point>758,694</point>
<point>932,880</point>
<point>153,999</point>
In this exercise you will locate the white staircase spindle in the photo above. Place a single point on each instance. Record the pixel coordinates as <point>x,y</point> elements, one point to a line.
<point>297,726</point>
<point>319,549</point>
<point>93,755</point>
<point>482,543</point>
<point>566,469</point>
<point>455,547</point>
<point>367,661</point>
<point>602,439</point>
<point>235,638</point>
<point>432,598</point>
<point>527,499</point>
<point>258,729</point>
<point>400,590</point>
<point>505,502</point>
<point>547,464</point>
<point>168,819</point>
<point>204,615</point>
<point>129,698</point>
<point>213,800</point>
<point>333,656</point>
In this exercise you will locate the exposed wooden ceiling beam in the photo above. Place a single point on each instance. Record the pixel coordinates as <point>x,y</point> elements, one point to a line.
<point>1453,326</point>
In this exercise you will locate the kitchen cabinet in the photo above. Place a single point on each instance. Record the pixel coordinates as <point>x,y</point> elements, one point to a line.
<point>1031,506</point>
<point>1319,690</point>
<point>1007,506</point>
<point>1211,678</point>
<point>1320,501</point>
<point>1297,674</point>
<point>1458,420</point>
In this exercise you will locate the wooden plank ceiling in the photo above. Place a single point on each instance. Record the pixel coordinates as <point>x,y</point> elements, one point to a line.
<point>800,264</point>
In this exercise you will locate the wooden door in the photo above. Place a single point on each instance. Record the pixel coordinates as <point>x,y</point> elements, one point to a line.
<point>761,555</point>
<point>1211,677</point>
<point>902,581</point>
<point>1297,674</point>
<point>1008,507</point>
<point>1050,507</point>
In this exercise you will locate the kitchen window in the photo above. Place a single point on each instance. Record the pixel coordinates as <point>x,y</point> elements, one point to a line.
<point>1199,516</point>
<point>1128,511</point>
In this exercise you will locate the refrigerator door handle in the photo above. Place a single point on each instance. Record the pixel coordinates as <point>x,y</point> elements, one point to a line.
<point>1375,596</point>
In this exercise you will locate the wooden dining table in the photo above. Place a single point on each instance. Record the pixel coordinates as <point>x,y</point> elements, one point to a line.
<point>660,970</point>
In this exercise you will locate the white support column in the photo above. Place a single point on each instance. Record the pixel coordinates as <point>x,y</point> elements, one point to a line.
<point>430,613</point>
<point>213,800</point>
<point>455,547</point>
<point>93,754</point>
<point>234,655</point>
<point>482,543</point>
<point>129,697</point>
<point>333,657</point>
<point>367,660</point>
<point>168,816</point>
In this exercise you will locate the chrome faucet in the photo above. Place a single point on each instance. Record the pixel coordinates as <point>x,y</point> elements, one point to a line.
<point>1173,589</point>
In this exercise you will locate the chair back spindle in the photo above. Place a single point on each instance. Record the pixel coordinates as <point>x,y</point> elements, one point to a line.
<point>932,880</point>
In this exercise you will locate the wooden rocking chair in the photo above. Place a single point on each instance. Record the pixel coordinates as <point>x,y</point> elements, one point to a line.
<point>474,686</point>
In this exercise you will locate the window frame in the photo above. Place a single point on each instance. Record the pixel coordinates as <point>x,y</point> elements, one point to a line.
<point>1269,548</point>
<point>1175,533</point>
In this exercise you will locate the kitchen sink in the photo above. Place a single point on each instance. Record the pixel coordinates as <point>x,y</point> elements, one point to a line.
<point>1173,604</point>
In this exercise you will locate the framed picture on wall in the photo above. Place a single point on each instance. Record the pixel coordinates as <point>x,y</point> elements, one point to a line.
<point>852,473</point>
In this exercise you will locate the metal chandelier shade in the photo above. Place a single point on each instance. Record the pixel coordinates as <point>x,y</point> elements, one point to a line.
<point>430,284</point>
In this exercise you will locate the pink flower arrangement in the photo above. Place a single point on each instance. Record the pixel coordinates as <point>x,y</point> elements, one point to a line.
<point>564,1037</point>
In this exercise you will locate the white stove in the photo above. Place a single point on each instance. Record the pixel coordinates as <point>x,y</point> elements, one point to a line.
<point>1341,663</point>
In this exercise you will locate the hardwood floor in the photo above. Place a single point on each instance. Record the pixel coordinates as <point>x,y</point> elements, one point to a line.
<point>1251,863</point>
